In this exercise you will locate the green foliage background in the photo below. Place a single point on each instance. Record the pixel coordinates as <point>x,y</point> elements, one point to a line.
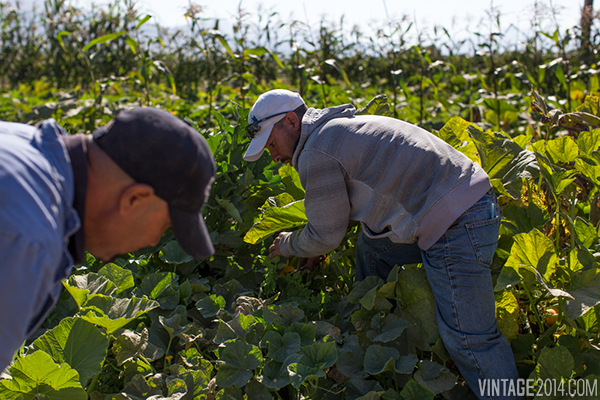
<point>157,324</point>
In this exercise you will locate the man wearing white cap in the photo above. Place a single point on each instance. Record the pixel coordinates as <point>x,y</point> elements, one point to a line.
<point>418,200</point>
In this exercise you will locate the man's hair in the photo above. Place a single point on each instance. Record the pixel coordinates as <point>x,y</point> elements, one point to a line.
<point>300,111</point>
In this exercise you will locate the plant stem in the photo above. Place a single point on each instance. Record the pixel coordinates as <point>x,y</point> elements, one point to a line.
<point>532,304</point>
<point>93,384</point>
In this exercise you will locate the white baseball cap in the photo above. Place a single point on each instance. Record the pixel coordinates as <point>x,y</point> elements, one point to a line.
<point>270,108</point>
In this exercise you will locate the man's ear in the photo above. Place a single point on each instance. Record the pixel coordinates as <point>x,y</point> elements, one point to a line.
<point>293,120</point>
<point>135,198</point>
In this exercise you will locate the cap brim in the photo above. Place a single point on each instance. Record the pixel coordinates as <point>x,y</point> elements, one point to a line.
<point>191,233</point>
<point>257,145</point>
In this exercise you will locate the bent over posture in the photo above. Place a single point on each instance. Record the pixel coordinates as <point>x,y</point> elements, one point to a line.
<point>417,199</point>
<point>110,193</point>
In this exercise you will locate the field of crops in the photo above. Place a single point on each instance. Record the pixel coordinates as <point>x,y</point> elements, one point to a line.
<point>159,325</point>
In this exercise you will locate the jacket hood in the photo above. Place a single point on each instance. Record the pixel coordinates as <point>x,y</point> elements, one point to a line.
<point>314,119</point>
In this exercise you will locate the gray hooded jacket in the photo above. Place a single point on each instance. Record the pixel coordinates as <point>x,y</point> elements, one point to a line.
<point>398,180</point>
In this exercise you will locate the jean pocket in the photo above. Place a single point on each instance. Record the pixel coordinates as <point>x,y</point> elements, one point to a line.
<point>484,238</point>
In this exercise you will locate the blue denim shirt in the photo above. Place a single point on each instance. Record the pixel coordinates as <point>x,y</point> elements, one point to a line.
<point>36,220</point>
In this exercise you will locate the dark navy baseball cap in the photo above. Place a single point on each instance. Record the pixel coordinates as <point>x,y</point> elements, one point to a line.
<point>156,148</point>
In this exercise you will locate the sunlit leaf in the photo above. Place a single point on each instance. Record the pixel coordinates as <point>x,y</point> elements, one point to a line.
<point>276,219</point>
<point>102,39</point>
<point>78,343</point>
<point>36,376</point>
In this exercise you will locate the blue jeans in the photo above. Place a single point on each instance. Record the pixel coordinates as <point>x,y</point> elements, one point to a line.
<point>458,269</point>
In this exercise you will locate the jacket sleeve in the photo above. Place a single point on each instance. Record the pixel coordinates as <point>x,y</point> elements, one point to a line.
<point>26,277</point>
<point>327,207</point>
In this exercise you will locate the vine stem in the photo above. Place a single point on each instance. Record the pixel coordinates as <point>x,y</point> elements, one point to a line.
<point>535,310</point>
<point>93,384</point>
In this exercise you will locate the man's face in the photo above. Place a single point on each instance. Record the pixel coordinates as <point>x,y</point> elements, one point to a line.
<point>283,139</point>
<point>136,225</point>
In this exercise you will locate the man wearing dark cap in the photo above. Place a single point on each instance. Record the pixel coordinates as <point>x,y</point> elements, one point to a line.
<point>109,193</point>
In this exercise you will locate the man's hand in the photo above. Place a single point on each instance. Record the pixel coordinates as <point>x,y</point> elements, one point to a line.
<point>274,248</point>
<point>309,264</point>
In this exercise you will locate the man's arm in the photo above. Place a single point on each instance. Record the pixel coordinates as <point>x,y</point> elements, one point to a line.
<point>26,275</point>
<point>326,204</point>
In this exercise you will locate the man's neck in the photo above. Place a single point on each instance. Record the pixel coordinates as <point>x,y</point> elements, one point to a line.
<point>77,148</point>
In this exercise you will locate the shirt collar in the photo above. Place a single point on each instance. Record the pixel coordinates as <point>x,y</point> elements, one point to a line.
<point>77,148</point>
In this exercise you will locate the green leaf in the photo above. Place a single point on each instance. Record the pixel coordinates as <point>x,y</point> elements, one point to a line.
<point>319,355</point>
<point>276,219</point>
<point>131,42</point>
<point>193,359</point>
<point>524,219</point>
<point>219,36</point>
<point>143,21</point>
<point>307,332</point>
<point>391,394</point>
<point>533,249</point>
<point>102,39</point>
<point>504,159</point>
<point>240,354</point>
<point>557,178</point>
<point>285,314</point>
<point>230,376</point>
<point>417,305</point>
<point>82,286</point>
<point>591,171</point>
<point>299,373</point>
<point>332,62</point>
<point>357,388</point>
<point>413,390</point>
<point>231,209</point>
<point>584,299</point>
<point>378,105</point>
<point>77,343</point>
<point>554,363</point>
<point>275,375</point>
<point>60,39</point>
<point>121,277</point>
<point>364,288</point>
<point>225,333</point>
<point>240,359</point>
<point>392,328</point>
<point>434,376</point>
<point>257,51</point>
<point>562,149</point>
<point>315,359</point>
<point>351,364</point>
<point>495,150</point>
<point>230,393</point>
<point>130,345</point>
<point>507,312</point>
<point>291,180</point>
<point>161,286</point>
<point>112,314</point>
<point>588,142</point>
<point>586,233</point>
<point>36,376</point>
<point>455,133</point>
<point>239,327</point>
<point>173,253</point>
<point>281,347</point>
<point>173,324</point>
<point>210,305</point>
<point>257,391</point>
<point>380,359</point>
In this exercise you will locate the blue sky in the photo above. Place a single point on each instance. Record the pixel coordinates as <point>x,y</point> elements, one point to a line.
<point>426,13</point>
<point>460,17</point>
